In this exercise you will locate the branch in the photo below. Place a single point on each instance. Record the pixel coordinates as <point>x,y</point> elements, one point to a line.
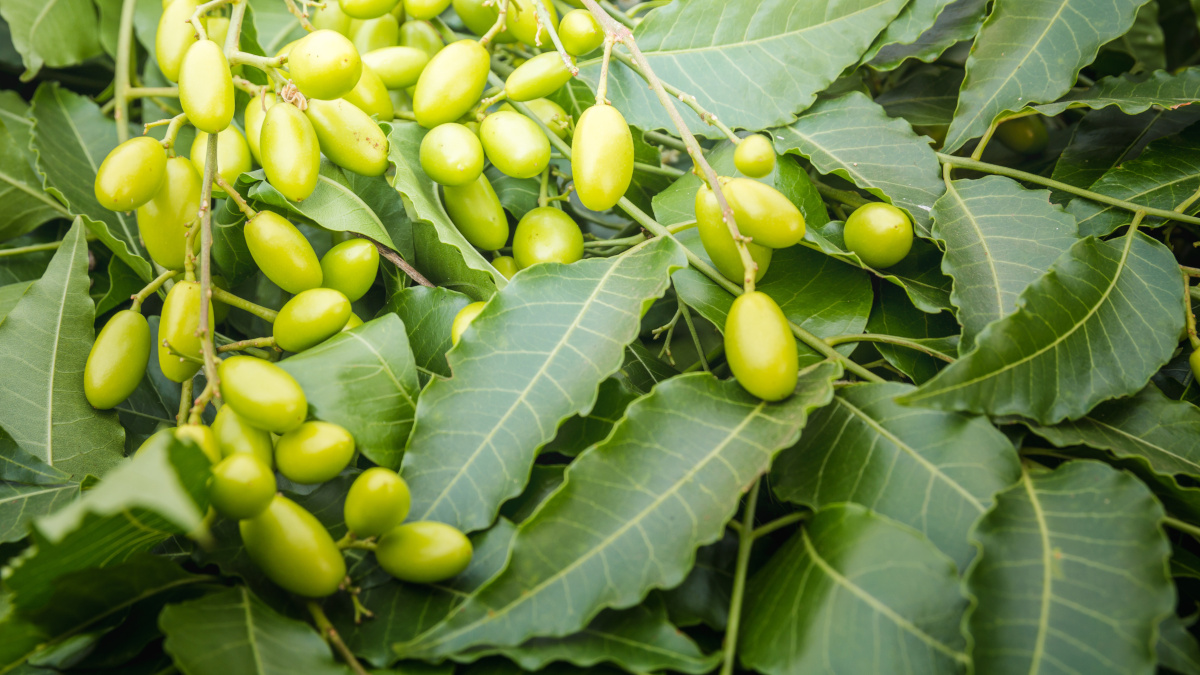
<point>232,300</point>
<point>331,635</point>
<point>400,262</point>
<point>887,339</point>
<point>121,83</point>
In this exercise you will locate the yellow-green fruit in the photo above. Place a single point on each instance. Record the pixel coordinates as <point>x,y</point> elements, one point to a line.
<point>424,552</point>
<point>378,33</point>
<point>546,234</point>
<point>310,318</point>
<point>350,268</point>
<point>1194,362</point>
<point>420,35</point>
<point>264,394</point>
<point>515,144</point>
<point>398,67</point>
<point>451,84</point>
<point>550,113</point>
<point>131,174</point>
<point>754,156</point>
<point>398,11</point>
<point>256,112</point>
<point>366,9</point>
<point>177,327</point>
<point>463,319</point>
<point>759,347</point>
<point>880,234</point>
<point>763,213</point>
<point>1026,135</point>
<point>371,96</point>
<point>291,155</point>
<point>202,436</point>
<point>505,265</point>
<point>475,210</point>
<point>282,252</point>
<point>293,549</point>
<point>522,22</point>
<point>348,137</point>
<point>424,9</point>
<point>601,157</point>
<point>117,362</point>
<point>174,37</point>
<point>164,220</point>
<point>451,155</point>
<point>331,17</point>
<point>377,502</point>
<point>285,51</point>
<point>233,156</point>
<point>235,435</point>
<point>241,487</point>
<point>352,322</point>
<point>206,87</point>
<point>479,17</point>
<point>718,242</point>
<point>540,76</point>
<point>579,32</point>
<point>217,28</point>
<point>324,65</point>
<point>314,452</point>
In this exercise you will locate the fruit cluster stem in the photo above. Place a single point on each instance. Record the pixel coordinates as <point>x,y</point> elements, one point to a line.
<point>151,288</point>
<point>400,262</point>
<point>498,27</point>
<point>300,14</point>
<point>221,295</point>
<point>544,19</point>
<point>330,634</point>
<point>124,58</point>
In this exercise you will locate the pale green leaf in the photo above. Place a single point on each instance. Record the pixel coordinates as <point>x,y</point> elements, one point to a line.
<point>582,431</point>
<point>1177,649</point>
<point>10,295</point>
<point>959,20</point>
<point>14,113</point>
<point>643,370</point>
<point>428,314</point>
<point>1134,94</point>
<point>917,17</point>
<point>54,33</point>
<point>22,503</point>
<point>26,204</point>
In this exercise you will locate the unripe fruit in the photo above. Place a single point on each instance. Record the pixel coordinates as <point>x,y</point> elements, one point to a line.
<point>478,18</point>
<point>754,156</point>
<point>235,435</point>
<point>378,33</point>
<point>310,318</point>
<point>293,549</point>
<point>366,9</point>
<point>759,347</point>
<point>164,220</point>
<point>1026,135</point>
<point>601,157</point>
<point>256,112</point>
<point>522,22</point>
<point>377,502</point>
<point>515,144</point>
<point>718,242</point>
<point>241,487</point>
<point>331,17</point>
<point>264,394</point>
<point>420,35</point>
<point>177,327</point>
<point>880,234</point>
<point>398,67</point>
<point>550,113</point>
<point>217,28</point>
<point>764,213</point>
<point>463,319</point>
<point>422,10</point>
<point>131,174</point>
<point>117,361</point>
<point>352,322</point>
<point>282,252</point>
<point>451,155</point>
<point>314,452</point>
<point>451,83</point>
<point>291,156</point>
<point>424,552</point>
<point>233,156</point>
<point>579,32</point>
<point>174,37</point>
<point>324,65</point>
<point>1194,362</point>
<point>348,137</point>
<point>505,265</point>
<point>351,267</point>
<point>475,210</point>
<point>206,87</point>
<point>538,77</point>
<point>371,96</point>
<point>203,437</point>
<point>546,234</point>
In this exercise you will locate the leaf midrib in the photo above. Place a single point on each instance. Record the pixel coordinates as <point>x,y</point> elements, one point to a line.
<point>951,188</point>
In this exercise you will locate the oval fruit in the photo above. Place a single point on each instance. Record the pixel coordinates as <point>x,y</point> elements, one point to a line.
<point>424,552</point>
<point>202,436</point>
<point>235,435</point>
<point>351,268</point>
<point>293,549</point>
<point>377,502</point>
<point>233,156</point>
<point>451,84</point>
<point>206,87</point>
<point>475,210</point>
<point>310,318</point>
<point>1026,135</point>
<point>371,96</point>
<point>177,327</point>
<point>1194,362</point>
<point>760,348</point>
<point>423,10</point>
<point>550,113</point>
<point>256,112</point>
<point>131,174</point>
<point>264,394</point>
<point>163,221</point>
<point>421,35</point>
<point>217,28</point>
<point>538,77</point>
<point>580,33</point>
<point>880,234</point>
<point>451,154</point>
<point>398,67</point>
<point>366,9</point>
<point>522,22</point>
<point>291,156</point>
<point>754,156</point>
<point>515,144</point>
<point>117,361</point>
<point>324,64</point>
<point>382,31</point>
<point>175,35</point>
<point>348,137</point>
<point>314,452</point>
<point>601,157</point>
<point>505,265</point>
<point>478,17</point>
<point>331,17</point>
<point>763,213</point>
<point>282,252</point>
<point>463,319</point>
<point>546,234</point>
<point>241,486</point>
<point>718,242</point>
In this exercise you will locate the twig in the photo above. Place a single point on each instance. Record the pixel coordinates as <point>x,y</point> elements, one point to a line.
<point>663,139</point>
<point>221,295</point>
<point>780,523</point>
<point>668,171</point>
<point>745,544</point>
<point>150,92</point>
<point>301,15</point>
<point>688,100</point>
<point>150,288</point>
<point>121,82</point>
<point>400,262</point>
<point>887,339</point>
<point>173,126</point>
<point>185,402</point>
<point>246,344</point>
<point>498,27</point>
<point>331,635</point>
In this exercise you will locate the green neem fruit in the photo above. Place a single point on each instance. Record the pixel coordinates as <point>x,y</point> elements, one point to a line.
<point>256,112</point>
<point>421,35</point>
<point>291,155</point>
<point>233,156</point>
<point>880,234</point>
<point>1026,135</point>
<point>382,31</point>
<point>331,17</point>
<point>1194,362</point>
<point>463,319</point>
<point>718,242</point>
<point>371,96</point>
<point>760,348</point>
<point>550,113</point>
<point>424,552</point>
<point>424,9</point>
<point>282,252</point>
<point>206,87</point>
<point>264,394</point>
<point>515,144</point>
<point>352,322</point>
<point>217,28</point>
<point>546,234</point>
<point>314,452</point>
<point>174,37</point>
<point>398,67</point>
<point>763,213</point>
<point>177,327</point>
<point>479,17</point>
<point>579,32</point>
<point>754,156</point>
<point>235,435</point>
<point>351,267</point>
<point>164,220</point>
<point>476,212</point>
<point>324,64</point>
<point>241,486</point>
<point>451,154</point>
<point>310,318</point>
<point>505,265</point>
<point>451,83</point>
<point>366,9</point>
<point>522,22</point>
<point>131,174</point>
<point>293,549</point>
<point>377,502</point>
<point>348,136</point>
<point>540,76</point>
<point>203,437</point>
<point>601,157</point>
<point>118,360</point>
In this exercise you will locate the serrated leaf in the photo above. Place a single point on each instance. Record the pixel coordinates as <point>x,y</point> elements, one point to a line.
<point>428,314</point>
<point>705,595</point>
<point>1134,94</point>
<point>56,33</point>
<point>643,370</point>
<point>533,357</point>
<point>1096,326</point>
<point>14,113</point>
<point>853,592</point>
<point>27,205</point>
<point>582,431</point>
<point>999,238</point>
<point>1030,51</point>
<point>1144,42</point>
<point>1071,575</point>
<point>660,486</point>
<point>894,314</point>
<point>959,20</point>
<point>934,471</point>
<point>917,17</point>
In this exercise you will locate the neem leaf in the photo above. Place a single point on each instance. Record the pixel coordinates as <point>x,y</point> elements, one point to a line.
<point>958,21</point>
<point>22,503</point>
<point>428,314</point>
<point>56,33</point>
<point>917,17</point>
<point>27,205</point>
<point>1134,94</point>
<point>894,314</point>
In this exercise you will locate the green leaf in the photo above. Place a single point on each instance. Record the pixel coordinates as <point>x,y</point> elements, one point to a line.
<point>852,137</point>
<point>27,266</point>
<point>927,98</point>
<point>10,295</point>
<point>643,370</point>
<point>999,238</point>
<point>122,283</point>
<point>428,314</point>
<point>44,345</point>
<point>234,632</point>
<point>959,20</point>
<point>518,195</point>
<point>1134,94</point>
<point>662,484</point>
<point>22,467</point>
<point>55,33</point>
<point>14,113</point>
<point>1030,51</point>
<point>931,470</point>
<point>582,431</point>
<point>1144,42</point>
<point>853,592</point>
<point>1096,326</point>
<point>742,49</point>
<point>365,380</point>
<point>1071,575</point>
<point>22,503</point>
<point>705,595</point>
<point>893,314</point>
<point>533,357</point>
<point>917,17</point>
<point>26,204</point>
<point>230,253</point>
<point>1177,649</point>
<point>544,480</point>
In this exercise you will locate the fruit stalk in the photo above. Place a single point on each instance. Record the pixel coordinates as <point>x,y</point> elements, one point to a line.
<point>497,27</point>
<point>247,344</point>
<point>140,297</point>
<point>331,635</point>
<point>232,300</point>
<point>548,24</point>
<point>886,339</point>
<point>401,263</point>
<point>205,9</point>
<point>121,82</point>
<point>302,15</point>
